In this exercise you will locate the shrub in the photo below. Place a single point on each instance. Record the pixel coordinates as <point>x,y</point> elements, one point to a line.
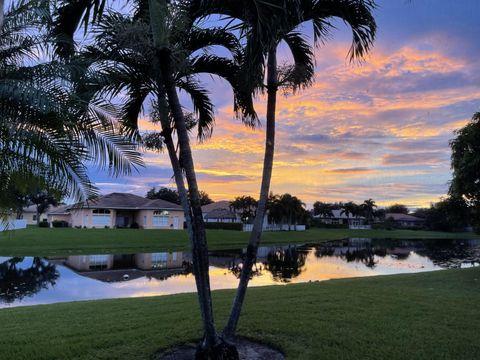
<point>134,225</point>
<point>59,223</point>
<point>44,224</point>
<point>224,226</point>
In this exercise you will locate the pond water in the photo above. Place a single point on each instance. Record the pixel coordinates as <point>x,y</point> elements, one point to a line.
<point>33,280</point>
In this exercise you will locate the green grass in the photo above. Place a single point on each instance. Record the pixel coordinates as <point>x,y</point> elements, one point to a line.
<point>417,316</point>
<point>35,241</point>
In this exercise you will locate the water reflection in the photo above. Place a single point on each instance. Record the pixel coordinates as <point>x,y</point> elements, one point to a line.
<point>20,277</point>
<point>115,268</point>
<point>28,281</point>
<point>286,264</point>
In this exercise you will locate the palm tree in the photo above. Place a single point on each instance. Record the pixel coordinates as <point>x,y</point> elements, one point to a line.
<point>47,131</point>
<point>286,209</point>
<point>350,208</point>
<point>267,24</point>
<point>323,209</point>
<point>141,72</point>
<point>368,208</point>
<point>246,206</point>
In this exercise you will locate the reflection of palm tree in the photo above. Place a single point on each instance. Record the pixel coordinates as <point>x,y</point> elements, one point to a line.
<point>286,264</point>
<point>18,283</point>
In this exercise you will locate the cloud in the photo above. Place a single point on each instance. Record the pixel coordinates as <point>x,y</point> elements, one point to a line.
<point>350,171</point>
<point>431,158</point>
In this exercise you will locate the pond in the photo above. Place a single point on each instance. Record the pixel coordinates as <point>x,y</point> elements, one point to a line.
<point>34,280</point>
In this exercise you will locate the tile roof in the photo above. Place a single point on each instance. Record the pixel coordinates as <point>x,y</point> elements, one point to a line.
<point>129,201</point>
<point>402,217</point>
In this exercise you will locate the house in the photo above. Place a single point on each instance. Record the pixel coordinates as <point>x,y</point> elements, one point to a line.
<point>220,211</point>
<point>404,220</point>
<point>340,217</point>
<point>121,210</point>
<point>29,214</point>
<point>59,213</point>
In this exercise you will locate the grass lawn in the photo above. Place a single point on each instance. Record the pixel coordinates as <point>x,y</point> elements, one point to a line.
<point>35,241</point>
<point>432,315</point>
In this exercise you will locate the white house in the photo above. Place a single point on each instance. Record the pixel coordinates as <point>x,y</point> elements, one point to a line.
<point>340,217</point>
<point>220,211</point>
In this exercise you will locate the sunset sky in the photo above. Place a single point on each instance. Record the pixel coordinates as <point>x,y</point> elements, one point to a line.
<point>376,130</point>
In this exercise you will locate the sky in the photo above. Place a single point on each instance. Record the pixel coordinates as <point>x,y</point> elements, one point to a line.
<point>379,129</point>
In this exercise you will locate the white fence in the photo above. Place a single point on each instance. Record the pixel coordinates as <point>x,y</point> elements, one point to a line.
<point>276,227</point>
<point>360,227</point>
<point>12,224</point>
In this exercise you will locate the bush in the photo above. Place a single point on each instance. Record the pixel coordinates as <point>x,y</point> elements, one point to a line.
<point>224,226</point>
<point>59,223</point>
<point>134,225</point>
<point>44,224</point>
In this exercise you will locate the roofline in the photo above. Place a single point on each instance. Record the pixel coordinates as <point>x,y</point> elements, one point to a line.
<point>125,208</point>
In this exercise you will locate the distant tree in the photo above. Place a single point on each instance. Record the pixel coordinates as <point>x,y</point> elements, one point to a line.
<point>379,214</point>
<point>43,199</point>
<point>397,209</point>
<point>286,208</point>
<point>368,208</point>
<point>465,163</point>
<point>323,209</point>
<point>449,214</point>
<point>204,198</point>
<point>350,208</point>
<point>421,213</point>
<point>246,206</point>
<point>164,193</point>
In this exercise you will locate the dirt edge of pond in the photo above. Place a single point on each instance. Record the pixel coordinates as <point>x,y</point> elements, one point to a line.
<point>247,349</point>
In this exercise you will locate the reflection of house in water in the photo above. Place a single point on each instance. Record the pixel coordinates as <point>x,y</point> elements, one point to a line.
<point>111,268</point>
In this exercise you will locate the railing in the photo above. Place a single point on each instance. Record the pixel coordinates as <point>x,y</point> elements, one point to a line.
<point>360,227</point>
<point>276,227</point>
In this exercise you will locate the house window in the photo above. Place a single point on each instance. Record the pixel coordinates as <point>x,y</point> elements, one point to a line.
<point>101,217</point>
<point>160,218</point>
<point>34,217</point>
<point>159,260</point>
<point>101,211</point>
<point>98,262</point>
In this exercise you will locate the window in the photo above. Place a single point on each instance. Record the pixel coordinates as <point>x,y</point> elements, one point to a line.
<point>98,262</point>
<point>101,211</point>
<point>160,220</point>
<point>159,260</point>
<point>34,218</point>
<point>101,217</point>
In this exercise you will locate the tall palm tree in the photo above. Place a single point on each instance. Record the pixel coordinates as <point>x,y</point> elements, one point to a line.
<point>140,70</point>
<point>368,208</point>
<point>267,24</point>
<point>47,130</point>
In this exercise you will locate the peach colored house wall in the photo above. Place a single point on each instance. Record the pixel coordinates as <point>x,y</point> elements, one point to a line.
<point>82,263</point>
<point>174,260</point>
<point>144,218</point>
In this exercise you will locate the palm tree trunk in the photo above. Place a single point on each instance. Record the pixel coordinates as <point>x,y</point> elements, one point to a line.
<point>199,244</point>
<point>158,14</point>
<point>255,236</point>
<point>1,13</point>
